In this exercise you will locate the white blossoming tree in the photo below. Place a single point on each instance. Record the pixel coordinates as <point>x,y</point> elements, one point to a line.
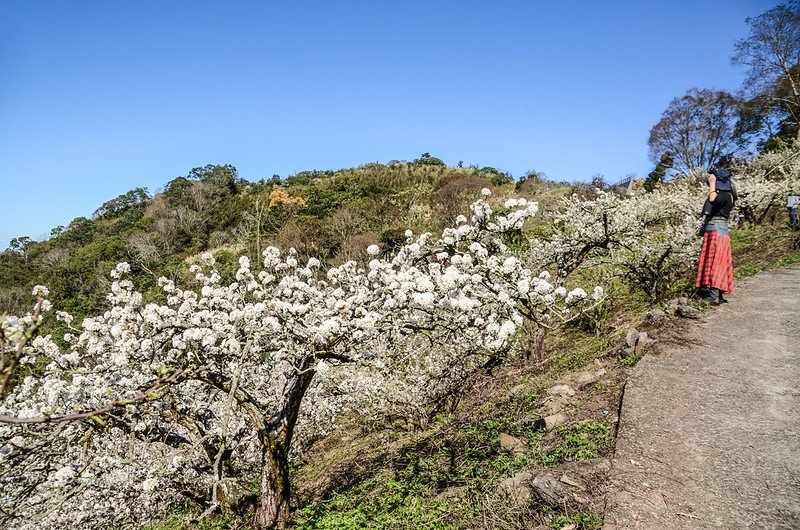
<point>766,182</point>
<point>662,242</point>
<point>200,397</point>
<point>649,238</point>
<point>581,229</point>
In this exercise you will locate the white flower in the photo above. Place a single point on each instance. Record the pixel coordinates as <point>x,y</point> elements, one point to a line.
<point>486,192</point>
<point>64,317</point>
<point>63,476</point>
<point>149,485</point>
<point>423,299</point>
<point>41,291</point>
<point>373,250</point>
<point>574,294</point>
<point>424,285</point>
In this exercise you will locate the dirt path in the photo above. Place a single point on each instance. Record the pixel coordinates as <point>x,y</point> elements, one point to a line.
<point>710,429</point>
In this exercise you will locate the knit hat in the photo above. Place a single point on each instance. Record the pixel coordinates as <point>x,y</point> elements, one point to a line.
<point>723,179</point>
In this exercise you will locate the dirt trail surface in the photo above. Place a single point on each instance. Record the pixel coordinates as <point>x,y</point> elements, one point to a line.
<point>710,428</point>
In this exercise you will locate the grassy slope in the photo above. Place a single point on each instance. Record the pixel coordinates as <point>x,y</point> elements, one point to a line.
<point>763,248</point>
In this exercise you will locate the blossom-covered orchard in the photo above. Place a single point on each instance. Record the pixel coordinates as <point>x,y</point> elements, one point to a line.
<point>205,397</point>
<point>766,182</point>
<point>651,240</point>
<point>647,237</point>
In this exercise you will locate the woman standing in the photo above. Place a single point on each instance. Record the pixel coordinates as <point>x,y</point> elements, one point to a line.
<point>715,270</point>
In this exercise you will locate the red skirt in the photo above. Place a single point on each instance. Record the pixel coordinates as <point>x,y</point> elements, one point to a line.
<point>715,269</point>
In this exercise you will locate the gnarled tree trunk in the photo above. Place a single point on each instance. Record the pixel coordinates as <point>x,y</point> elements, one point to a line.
<point>273,505</point>
<point>276,440</point>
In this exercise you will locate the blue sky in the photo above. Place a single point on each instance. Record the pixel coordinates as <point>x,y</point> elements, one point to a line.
<point>99,97</point>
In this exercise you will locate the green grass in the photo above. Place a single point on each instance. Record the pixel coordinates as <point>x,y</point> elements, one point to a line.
<point>583,349</point>
<point>746,270</point>
<point>182,519</point>
<point>462,455</point>
<point>383,502</point>
<point>581,441</point>
<point>763,248</point>
<point>584,520</point>
<point>467,458</point>
<point>788,260</point>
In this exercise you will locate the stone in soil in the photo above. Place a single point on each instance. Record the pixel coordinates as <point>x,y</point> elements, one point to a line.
<point>554,420</point>
<point>656,316</point>
<point>561,390</point>
<point>512,444</point>
<point>631,338</point>
<point>687,311</point>
<point>517,488</point>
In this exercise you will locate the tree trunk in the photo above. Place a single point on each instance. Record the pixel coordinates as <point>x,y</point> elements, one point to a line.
<point>541,334</point>
<point>273,505</point>
<point>276,439</point>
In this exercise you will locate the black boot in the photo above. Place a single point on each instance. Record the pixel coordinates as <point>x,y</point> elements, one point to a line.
<point>714,296</point>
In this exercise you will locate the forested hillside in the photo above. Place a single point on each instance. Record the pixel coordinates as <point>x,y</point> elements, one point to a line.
<point>332,215</point>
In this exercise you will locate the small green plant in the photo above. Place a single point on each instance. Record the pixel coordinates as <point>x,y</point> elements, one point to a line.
<point>584,520</point>
<point>183,519</point>
<point>582,440</point>
<point>629,360</point>
<point>746,270</point>
<point>788,260</point>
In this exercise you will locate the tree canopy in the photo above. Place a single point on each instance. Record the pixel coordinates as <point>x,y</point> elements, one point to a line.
<point>697,130</point>
<point>771,55</point>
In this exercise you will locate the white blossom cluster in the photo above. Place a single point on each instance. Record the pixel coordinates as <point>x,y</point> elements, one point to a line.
<point>665,243</point>
<point>765,184</point>
<point>579,229</point>
<point>648,237</point>
<point>652,239</point>
<point>198,397</point>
